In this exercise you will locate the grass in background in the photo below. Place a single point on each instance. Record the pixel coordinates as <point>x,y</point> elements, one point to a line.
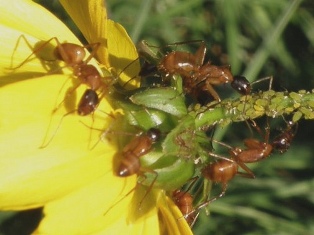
<point>258,38</point>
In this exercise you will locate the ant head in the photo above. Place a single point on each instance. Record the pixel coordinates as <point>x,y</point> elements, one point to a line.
<point>241,85</point>
<point>154,134</point>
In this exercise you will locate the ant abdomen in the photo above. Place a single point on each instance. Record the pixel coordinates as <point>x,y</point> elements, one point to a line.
<point>129,165</point>
<point>184,202</point>
<point>241,85</point>
<point>88,102</point>
<point>136,148</point>
<point>221,171</point>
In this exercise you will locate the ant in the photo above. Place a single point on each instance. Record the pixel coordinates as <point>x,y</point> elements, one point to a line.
<point>189,66</point>
<point>196,75</point>
<point>283,141</point>
<point>225,169</point>
<point>136,148</point>
<point>73,56</point>
<point>184,201</point>
<point>130,158</point>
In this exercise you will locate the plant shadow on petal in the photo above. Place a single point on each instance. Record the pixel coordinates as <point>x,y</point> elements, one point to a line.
<point>22,223</point>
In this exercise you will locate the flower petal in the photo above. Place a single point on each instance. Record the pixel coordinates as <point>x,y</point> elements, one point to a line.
<point>171,217</point>
<point>32,19</point>
<point>21,34</point>
<point>117,50</point>
<point>99,214</point>
<point>123,56</point>
<point>67,163</point>
<point>91,18</point>
<point>87,207</point>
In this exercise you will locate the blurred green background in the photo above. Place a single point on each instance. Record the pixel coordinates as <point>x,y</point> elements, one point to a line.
<point>257,38</point>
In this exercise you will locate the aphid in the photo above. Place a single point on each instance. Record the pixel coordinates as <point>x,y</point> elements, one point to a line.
<point>196,76</point>
<point>136,148</point>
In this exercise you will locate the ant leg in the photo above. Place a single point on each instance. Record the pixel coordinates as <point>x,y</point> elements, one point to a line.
<point>248,173</point>
<point>125,196</point>
<point>258,129</point>
<point>200,54</point>
<point>270,78</point>
<point>204,204</point>
<point>34,50</point>
<point>220,157</point>
<point>124,69</point>
<point>209,88</point>
<point>46,143</point>
<point>94,48</point>
<point>68,94</point>
<point>222,144</point>
<point>151,184</point>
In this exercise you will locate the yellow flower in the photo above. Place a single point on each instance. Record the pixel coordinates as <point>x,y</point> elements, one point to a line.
<point>73,181</point>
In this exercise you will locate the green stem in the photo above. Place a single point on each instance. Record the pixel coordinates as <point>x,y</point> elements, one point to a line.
<point>270,103</point>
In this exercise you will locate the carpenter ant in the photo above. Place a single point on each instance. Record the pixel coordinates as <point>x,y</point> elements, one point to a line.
<point>73,56</point>
<point>184,201</point>
<point>130,158</point>
<point>136,148</point>
<point>225,169</point>
<point>196,75</point>
<point>283,141</point>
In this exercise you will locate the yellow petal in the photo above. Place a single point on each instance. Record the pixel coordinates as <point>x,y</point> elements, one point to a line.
<point>24,25</point>
<point>67,163</point>
<point>117,50</point>
<point>89,206</point>
<point>122,52</point>
<point>33,19</point>
<point>171,217</point>
<point>91,18</point>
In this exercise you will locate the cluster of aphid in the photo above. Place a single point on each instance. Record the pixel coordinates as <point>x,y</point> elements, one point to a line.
<point>173,149</point>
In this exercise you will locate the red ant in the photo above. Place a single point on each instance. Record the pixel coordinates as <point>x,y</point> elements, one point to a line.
<point>184,201</point>
<point>73,56</point>
<point>130,157</point>
<point>225,169</point>
<point>283,141</point>
<point>196,75</point>
<point>136,148</point>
